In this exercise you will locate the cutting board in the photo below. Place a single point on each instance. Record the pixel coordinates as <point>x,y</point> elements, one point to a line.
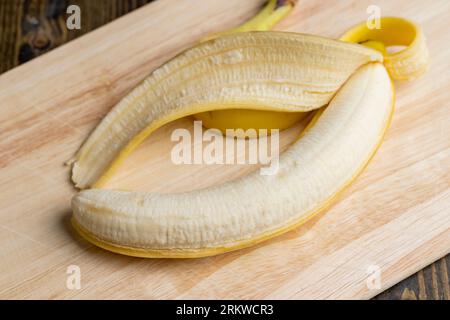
<point>393,221</point>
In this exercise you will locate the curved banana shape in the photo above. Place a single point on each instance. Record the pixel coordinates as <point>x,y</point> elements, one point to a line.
<point>273,78</point>
<point>274,71</point>
<point>330,154</point>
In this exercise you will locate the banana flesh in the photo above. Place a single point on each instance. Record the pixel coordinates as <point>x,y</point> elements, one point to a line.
<point>253,208</point>
<point>271,71</point>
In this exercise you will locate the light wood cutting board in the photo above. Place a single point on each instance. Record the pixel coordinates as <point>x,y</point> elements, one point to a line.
<point>395,217</point>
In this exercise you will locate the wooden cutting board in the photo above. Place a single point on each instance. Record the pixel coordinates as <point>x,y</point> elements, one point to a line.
<point>394,219</point>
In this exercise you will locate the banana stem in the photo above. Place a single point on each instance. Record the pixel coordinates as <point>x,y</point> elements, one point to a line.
<point>273,12</point>
<point>268,17</point>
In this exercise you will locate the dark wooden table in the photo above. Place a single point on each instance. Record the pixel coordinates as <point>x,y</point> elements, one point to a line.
<point>29,28</point>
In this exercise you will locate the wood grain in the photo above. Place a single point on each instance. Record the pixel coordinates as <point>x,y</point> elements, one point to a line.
<point>33,27</point>
<point>51,104</point>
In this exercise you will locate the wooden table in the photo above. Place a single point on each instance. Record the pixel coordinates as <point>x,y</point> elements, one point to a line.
<point>31,28</point>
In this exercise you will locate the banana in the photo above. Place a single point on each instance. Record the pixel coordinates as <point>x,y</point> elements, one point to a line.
<point>250,80</point>
<point>254,208</point>
<point>271,71</point>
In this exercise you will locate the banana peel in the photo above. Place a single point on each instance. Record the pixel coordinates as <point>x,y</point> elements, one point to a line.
<point>259,71</point>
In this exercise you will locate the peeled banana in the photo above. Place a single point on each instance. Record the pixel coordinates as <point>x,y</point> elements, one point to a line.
<point>264,71</point>
<point>256,207</point>
<point>275,71</point>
